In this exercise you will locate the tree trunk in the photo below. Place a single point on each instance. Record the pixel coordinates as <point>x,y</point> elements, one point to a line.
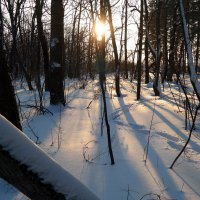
<point>146,43</point>
<point>165,48</point>
<point>171,67</point>
<point>156,85</point>
<point>56,53</point>
<point>78,46</point>
<point>8,105</point>
<point>117,64</point>
<point>102,78</point>
<point>139,61</point>
<point>197,48</point>
<point>191,68</point>
<point>125,40</point>
<point>70,71</point>
<point>43,42</point>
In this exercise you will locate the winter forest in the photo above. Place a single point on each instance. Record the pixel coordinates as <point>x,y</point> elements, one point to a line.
<point>99,100</point>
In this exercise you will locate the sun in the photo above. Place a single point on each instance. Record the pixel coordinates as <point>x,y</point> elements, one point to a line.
<point>100,30</point>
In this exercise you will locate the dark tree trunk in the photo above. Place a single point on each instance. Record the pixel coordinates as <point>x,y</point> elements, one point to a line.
<point>70,70</point>
<point>171,67</point>
<point>146,43</point>
<point>117,64</point>
<point>125,40</point>
<point>197,48</point>
<point>158,38</point>
<point>139,61</point>
<point>165,45</point>
<point>8,105</point>
<point>43,42</point>
<point>90,53</point>
<point>78,46</point>
<point>102,78</point>
<point>56,53</point>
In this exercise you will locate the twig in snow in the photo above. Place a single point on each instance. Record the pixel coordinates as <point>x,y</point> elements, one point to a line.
<point>33,132</point>
<point>146,150</point>
<point>87,157</point>
<point>183,149</point>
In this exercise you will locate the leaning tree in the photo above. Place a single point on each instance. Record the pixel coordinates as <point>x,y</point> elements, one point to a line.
<point>8,105</point>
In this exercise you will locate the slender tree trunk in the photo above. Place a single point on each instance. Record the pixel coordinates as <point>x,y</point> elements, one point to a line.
<point>71,73</point>
<point>102,78</point>
<point>126,40</point>
<point>78,46</point>
<point>197,48</point>
<point>139,61</point>
<point>90,53</point>
<point>156,85</point>
<point>165,48</point>
<point>117,64</point>
<point>171,67</point>
<point>121,36</point>
<point>43,42</point>
<point>146,43</point>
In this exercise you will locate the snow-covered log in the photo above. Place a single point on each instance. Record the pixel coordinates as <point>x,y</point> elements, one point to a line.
<point>24,165</point>
<point>193,75</point>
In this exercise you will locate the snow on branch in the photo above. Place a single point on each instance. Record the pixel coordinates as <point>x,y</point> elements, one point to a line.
<point>22,149</point>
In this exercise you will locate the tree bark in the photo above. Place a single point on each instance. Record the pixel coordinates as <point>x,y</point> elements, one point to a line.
<point>171,67</point>
<point>43,42</point>
<point>156,85</point>
<point>191,68</point>
<point>139,61</point>
<point>126,40</point>
<point>117,64</point>
<point>102,78</point>
<point>56,53</point>
<point>8,104</point>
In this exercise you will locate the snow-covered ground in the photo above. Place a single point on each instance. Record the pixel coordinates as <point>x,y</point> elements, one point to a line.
<point>74,137</point>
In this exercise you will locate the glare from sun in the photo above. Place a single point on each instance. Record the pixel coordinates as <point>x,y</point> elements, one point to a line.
<point>100,30</point>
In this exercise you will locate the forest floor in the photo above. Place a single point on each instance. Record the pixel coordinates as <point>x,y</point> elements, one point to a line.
<point>75,136</point>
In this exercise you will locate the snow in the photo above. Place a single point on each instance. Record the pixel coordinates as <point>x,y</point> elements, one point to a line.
<point>26,152</point>
<point>55,65</point>
<point>54,41</point>
<point>72,136</point>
